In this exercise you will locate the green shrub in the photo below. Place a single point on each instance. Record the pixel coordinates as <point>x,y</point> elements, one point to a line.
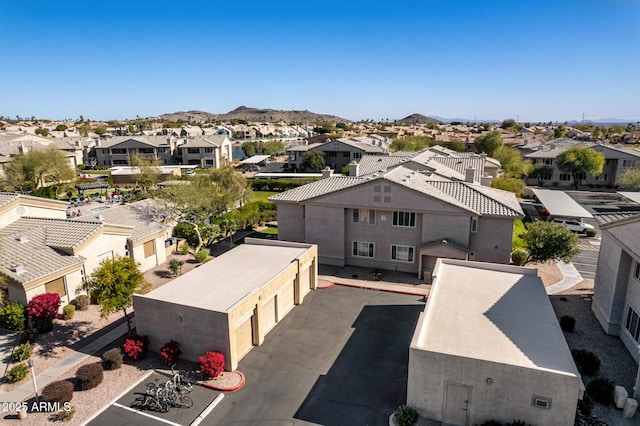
<point>184,249</point>
<point>175,267</point>
<point>519,257</point>
<point>82,302</point>
<point>406,416</point>
<point>586,361</point>
<point>69,311</point>
<point>30,335</point>
<point>60,391</point>
<point>90,376</point>
<point>591,232</point>
<point>567,323</point>
<point>601,390</point>
<point>201,255</point>
<point>12,317</point>
<point>23,352</point>
<point>585,404</point>
<point>113,358</point>
<point>17,373</point>
<point>65,415</point>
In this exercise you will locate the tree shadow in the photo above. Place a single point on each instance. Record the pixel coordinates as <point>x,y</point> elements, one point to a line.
<point>163,274</point>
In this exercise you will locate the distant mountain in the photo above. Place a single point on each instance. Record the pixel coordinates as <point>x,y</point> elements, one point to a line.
<point>466,120</point>
<point>418,119</point>
<point>255,115</point>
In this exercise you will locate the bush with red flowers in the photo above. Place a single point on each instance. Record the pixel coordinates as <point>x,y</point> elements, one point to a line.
<point>170,352</point>
<point>42,309</point>
<point>135,347</point>
<point>212,364</point>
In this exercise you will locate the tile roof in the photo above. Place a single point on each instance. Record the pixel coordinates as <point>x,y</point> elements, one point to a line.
<point>58,233</point>
<point>9,197</point>
<point>205,141</point>
<point>143,216</point>
<point>32,254</point>
<point>477,199</point>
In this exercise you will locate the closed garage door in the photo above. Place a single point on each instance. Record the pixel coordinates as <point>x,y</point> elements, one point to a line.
<point>285,299</point>
<point>244,337</point>
<point>269,314</point>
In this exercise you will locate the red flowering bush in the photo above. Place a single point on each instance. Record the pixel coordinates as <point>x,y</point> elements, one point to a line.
<point>135,347</point>
<point>42,309</point>
<point>170,352</point>
<point>212,364</point>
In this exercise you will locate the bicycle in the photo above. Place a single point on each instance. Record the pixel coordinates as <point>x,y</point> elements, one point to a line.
<point>147,401</point>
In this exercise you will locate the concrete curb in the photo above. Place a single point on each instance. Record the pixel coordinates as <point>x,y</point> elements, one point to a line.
<point>325,286</point>
<point>571,278</point>
<point>231,389</point>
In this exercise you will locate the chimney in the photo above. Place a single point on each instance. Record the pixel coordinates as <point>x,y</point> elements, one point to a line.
<point>486,180</point>
<point>354,169</point>
<point>469,175</point>
<point>326,172</point>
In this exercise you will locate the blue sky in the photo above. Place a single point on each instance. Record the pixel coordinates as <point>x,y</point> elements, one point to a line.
<point>539,60</point>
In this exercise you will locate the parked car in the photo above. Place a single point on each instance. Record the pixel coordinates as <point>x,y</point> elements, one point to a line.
<point>190,173</point>
<point>575,225</point>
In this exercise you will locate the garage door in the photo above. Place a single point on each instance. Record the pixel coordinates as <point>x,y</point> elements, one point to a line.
<point>244,337</point>
<point>285,299</point>
<point>269,314</point>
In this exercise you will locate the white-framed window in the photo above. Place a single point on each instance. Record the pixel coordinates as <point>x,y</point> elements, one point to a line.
<point>636,271</point>
<point>363,249</point>
<point>565,177</point>
<point>628,163</point>
<point>631,323</point>
<point>364,216</point>
<point>407,219</point>
<point>402,253</point>
<point>548,161</point>
<point>474,224</point>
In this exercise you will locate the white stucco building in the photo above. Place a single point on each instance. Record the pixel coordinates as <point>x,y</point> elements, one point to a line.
<point>489,346</point>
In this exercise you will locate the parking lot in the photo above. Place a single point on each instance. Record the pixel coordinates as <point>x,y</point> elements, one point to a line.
<point>340,358</point>
<point>122,413</point>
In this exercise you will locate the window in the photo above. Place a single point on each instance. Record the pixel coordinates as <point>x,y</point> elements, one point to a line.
<point>119,162</point>
<point>208,162</point>
<point>364,216</point>
<point>346,154</point>
<point>636,271</point>
<point>357,155</point>
<point>193,150</point>
<point>149,249</point>
<point>376,188</point>
<point>632,324</point>
<point>407,219</point>
<point>474,224</point>
<point>56,286</point>
<point>145,150</point>
<point>208,150</point>
<point>548,161</point>
<point>565,177</point>
<point>387,189</point>
<point>402,253</point>
<point>331,154</point>
<point>163,150</point>
<point>628,163</point>
<point>118,151</point>
<point>363,249</point>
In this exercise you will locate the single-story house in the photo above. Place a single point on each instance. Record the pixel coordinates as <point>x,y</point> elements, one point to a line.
<point>229,304</point>
<point>488,346</point>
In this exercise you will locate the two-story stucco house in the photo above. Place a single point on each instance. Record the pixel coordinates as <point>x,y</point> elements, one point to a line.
<point>616,297</point>
<point>399,219</point>
<point>212,151</point>
<point>118,150</point>
<point>616,162</point>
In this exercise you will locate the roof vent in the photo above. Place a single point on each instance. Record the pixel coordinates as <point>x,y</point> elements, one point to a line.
<point>23,239</point>
<point>20,270</point>
<point>100,217</point>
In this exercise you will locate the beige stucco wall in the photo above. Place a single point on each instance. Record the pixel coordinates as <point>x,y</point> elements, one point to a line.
<point>610,285</point>
<point>492,242</point>
<point>105,246</point>
<point>291,222</point>
<point>73,282</point>
<point>324,226</point>
<point>509,396</point>
<point>146,263</point>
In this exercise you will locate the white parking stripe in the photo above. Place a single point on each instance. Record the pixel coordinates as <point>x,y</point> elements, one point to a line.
<point>142,413</point>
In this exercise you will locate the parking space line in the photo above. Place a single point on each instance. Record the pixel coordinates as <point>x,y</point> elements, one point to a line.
<point>142,413</point>
<point>584,264</point>
<point>207,410</point>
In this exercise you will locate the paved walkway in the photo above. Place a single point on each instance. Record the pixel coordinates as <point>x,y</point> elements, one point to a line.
<point>571,278</point>
<point>26,390</point>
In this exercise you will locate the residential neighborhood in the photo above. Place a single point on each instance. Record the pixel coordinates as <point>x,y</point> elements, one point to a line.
<point>485,337</point>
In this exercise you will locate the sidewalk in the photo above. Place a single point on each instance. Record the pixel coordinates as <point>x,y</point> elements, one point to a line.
<point>571,278</point>
<point>26,390</point>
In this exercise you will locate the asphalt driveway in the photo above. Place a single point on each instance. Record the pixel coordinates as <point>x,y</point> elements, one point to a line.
<point>340,358</point>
